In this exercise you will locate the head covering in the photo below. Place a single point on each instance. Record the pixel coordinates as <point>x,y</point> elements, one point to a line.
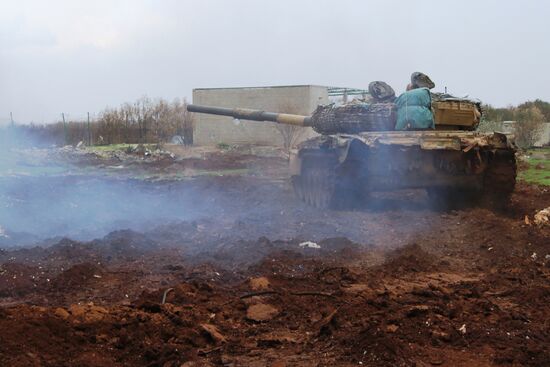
<point>381,91</point>
<point>421,80</point>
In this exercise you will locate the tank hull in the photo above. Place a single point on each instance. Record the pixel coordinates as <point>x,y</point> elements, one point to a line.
<point>453,166</point>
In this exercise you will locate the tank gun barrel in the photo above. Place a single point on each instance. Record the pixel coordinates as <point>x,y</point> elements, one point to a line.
<point>254,115</point>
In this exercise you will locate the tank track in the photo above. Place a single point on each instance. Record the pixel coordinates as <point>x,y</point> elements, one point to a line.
<point>315,187</point>
<point>316,183</point>
<point>321,185</point>
<point>500,179</point>
<point>499,182</point>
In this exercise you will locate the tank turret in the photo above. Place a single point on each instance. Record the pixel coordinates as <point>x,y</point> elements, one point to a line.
<point>351,118</point>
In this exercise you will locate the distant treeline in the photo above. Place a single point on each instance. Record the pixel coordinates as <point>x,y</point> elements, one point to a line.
<point>535,109</point>
<point>143,121</point>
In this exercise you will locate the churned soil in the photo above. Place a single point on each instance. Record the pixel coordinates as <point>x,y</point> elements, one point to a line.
<point>395,285</point>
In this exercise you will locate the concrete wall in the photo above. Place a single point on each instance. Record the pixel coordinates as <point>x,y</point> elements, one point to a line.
<point>545,137</point>
<point>212,130</point>
<point>508,127</point>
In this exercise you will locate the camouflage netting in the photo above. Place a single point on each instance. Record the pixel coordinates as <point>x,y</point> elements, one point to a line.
<point>354,118</point>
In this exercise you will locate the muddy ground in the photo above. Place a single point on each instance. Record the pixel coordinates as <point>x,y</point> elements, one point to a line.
<point>395,284</point>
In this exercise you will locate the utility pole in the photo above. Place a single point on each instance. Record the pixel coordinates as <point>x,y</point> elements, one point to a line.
<point>89,133</point>
<point>64,127</point>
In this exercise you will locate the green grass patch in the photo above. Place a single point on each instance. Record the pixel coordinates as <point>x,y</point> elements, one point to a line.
<point>539,153</point>
<point>179,176</point>
<point>115,147</point>
<point>538,167</point>
<point>222,172</point>
<point>34,171</point>
<point>223,146</point>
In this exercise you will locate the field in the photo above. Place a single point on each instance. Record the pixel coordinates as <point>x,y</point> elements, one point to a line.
<point>226,268</point>
<point>538,167</point>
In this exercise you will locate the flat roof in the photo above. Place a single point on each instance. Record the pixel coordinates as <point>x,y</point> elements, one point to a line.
<point>333,91</point>
<point>266,86</point>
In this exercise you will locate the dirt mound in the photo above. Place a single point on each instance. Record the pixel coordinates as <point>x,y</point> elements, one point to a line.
<point>18,279</point>
<point>297,306</point>
<point>410,258</point>
<point>126,241</point>
<point>80,275</point>
<point>72,252</point>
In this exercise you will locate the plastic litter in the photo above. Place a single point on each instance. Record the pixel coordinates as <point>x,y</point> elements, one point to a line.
<point>3,233</point>
<point>309,244</point>
<point>542,218</point>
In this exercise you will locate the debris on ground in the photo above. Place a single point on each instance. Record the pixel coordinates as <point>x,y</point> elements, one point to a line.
<point>261,312</point>
<point>3,232</point>
<point>213,332</point>
<point>542,217</point>
<point>259,283</point>
<point>309,244</point>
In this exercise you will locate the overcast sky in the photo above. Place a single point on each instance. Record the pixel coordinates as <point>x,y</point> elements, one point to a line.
<point>77,56</point>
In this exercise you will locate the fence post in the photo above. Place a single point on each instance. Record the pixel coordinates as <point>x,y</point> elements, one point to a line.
<point>64,127</point>
<point>89,132</point>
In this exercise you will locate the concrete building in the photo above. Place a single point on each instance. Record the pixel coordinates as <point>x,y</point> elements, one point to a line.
<point>297,99</point>
<point>211,130</point>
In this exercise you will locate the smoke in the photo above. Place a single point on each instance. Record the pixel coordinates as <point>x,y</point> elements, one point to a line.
<point>83,207</point>
<point>40,198</point>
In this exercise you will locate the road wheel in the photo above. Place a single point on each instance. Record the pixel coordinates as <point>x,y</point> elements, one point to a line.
<point>315,186</point>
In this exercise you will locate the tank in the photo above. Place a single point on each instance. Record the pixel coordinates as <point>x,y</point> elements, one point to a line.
<point>358,152</point>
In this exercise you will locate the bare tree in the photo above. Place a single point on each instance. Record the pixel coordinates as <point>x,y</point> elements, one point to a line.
<point>291,134</point>
<point>188,124</point>
<point>529,126</point>
<point>143,121</point>
<point>181,120</point>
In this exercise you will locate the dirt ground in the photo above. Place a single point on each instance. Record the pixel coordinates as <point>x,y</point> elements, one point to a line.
<point>268,281</point>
